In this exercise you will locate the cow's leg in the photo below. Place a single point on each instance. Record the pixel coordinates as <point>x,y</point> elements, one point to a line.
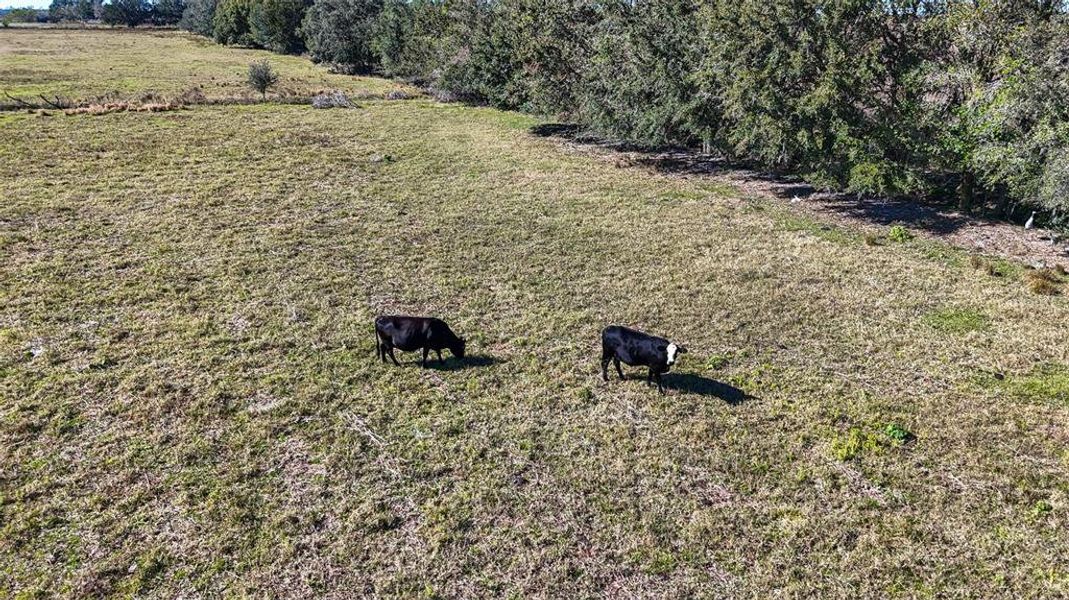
<point>649,377</point>
<point>660,385</point>
<point>605,367</point>
<point>425,352</point>
<point>619,371</point>
<point>392,356</point>
<point>440,360</point>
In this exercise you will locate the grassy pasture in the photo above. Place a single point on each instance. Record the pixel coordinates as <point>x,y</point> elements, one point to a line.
<point>189,401</point>
<point>84,64</point>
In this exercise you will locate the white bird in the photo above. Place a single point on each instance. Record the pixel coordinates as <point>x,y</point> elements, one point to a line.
<point>1031,221</point>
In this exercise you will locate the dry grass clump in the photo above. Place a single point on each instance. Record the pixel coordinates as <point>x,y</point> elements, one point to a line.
<point>190,96</point>
<point>1045,282</point>
<point>444,96</point>
<point>399,94</point>
<point>872,239</point>
<point>113,107</point>
<point>332,99</point>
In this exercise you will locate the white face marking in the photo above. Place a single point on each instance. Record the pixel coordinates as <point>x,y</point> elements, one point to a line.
<point>672,349</point>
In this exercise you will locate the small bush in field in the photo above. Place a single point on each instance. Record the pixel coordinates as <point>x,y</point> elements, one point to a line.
<point>898,433</point>
<point>398,95</point>
<point>899,234</point>
<point>262,77</point>
<point>334,99</point>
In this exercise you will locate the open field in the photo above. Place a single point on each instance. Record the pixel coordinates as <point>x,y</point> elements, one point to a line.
<point>84,64</point>
<point>190,405</point>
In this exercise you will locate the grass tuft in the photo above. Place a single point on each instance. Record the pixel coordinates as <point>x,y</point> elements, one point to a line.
<point>1046,282</point>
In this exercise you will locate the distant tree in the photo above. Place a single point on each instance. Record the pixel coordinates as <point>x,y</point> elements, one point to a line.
<point>340,32</point>
<point>168,12</point>
<point>198,17</point>
<point>393,33</point>
<point>126,12</point>
<point>21,15</point>
<point>477,55</point>
<point>231,22</point>
<point>276,25</point>
<point>262,77</point>
<point>412,38</point>
<point>73,10</point>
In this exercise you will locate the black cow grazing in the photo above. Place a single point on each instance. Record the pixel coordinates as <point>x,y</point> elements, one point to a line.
<point>409,334</point>
<point>634,348</point>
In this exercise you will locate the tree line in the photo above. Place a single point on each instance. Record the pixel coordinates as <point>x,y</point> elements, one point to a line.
<point>940,99</point>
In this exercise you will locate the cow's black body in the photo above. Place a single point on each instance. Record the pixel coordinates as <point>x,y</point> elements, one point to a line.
<point>409,334</point>
<point>634,348</point>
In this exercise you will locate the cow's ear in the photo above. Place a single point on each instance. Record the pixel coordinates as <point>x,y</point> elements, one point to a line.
<point>682,350</point>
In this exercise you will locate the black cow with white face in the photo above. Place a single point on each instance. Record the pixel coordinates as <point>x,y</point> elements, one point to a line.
<point>409,334</point>
<point>634,348</point>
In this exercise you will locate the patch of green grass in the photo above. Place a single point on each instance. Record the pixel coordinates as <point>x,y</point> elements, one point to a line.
<point>1041,508</point>
<point>1046,383</point>
<point>853,443</point>
<point>824,231</point>
<point>957,320</point>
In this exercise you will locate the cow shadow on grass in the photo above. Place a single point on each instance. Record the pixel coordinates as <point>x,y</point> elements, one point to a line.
<point>703,386</point>
<point>461,364</point>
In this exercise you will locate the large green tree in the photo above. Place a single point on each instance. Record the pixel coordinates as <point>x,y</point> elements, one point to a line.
<point>126,12</point>
<point>276,24</point>
<point>340,32</point>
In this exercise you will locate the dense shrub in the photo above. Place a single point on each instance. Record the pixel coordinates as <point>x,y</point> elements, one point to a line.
<point>1022,122</point>
<point>639,84</point>
<point>231,23</point>
<point>198,17</point>
<point>73,10</point>
<point>168,12</point>
<point>339,32</point>
<point>23,15</point>
<point>276,25</point>
<point>126,12</point>
<point>830,89</point>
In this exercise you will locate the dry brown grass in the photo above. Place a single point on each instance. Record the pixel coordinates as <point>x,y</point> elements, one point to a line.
<point>111,107</point>
<point>1046,282</point>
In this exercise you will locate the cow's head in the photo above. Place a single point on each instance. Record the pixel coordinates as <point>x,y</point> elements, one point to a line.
<point>458,348</point>
<point>674,351</point>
